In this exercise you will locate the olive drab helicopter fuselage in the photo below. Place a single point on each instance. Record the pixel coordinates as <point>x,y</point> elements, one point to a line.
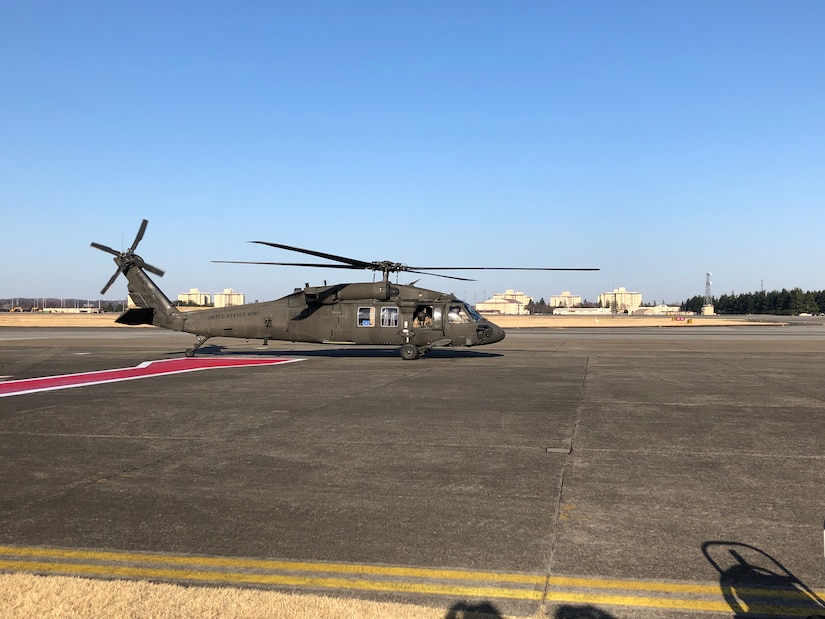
<point>377,313</point>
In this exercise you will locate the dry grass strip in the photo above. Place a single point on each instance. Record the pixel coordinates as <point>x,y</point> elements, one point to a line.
<point>24,596</point>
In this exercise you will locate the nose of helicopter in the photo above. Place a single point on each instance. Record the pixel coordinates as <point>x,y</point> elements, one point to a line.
<point>492,333</point>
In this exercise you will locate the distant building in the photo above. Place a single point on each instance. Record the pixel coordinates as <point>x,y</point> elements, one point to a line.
<point>509,303</point>
<point>71,310</point>
<point>228,298</point>
<point>658,310</point>
<point>581,311</point>
<point>621,300</point>
<point>565,299</point>
<point>195,297</point>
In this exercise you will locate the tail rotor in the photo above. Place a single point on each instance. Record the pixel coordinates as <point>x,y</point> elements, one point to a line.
<point>125,260</point>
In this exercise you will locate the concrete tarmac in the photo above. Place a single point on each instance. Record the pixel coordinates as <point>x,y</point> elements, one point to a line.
<point>600,473</point>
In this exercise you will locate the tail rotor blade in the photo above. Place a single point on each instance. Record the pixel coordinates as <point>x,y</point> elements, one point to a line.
<point>106,248</point>
<point>139,236</point>
<point>127,259</point>
<point>110,282</point>
<point>152,269</point>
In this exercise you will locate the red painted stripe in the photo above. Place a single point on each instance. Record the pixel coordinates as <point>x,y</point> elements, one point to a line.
<point>144,370</point>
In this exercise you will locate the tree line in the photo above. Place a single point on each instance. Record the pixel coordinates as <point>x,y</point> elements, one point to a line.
<point>780,302</point>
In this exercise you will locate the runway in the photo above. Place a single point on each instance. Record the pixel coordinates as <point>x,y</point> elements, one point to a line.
<point>638,472</point>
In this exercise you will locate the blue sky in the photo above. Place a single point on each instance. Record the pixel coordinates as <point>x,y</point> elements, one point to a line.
<point>655,140</point>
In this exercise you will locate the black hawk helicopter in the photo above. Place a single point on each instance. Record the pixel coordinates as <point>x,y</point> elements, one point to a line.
<point>378,313</point>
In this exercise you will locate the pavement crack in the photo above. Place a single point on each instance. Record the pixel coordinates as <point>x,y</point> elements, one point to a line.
<point>559,509</point>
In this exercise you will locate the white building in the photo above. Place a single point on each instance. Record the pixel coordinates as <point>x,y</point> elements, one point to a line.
<point>565,299</point>
<point>509,303</point>
<point>621,300</point>
<point>658,310</point>
<point>228,298</point>
<point>71,310</point>
<point>195,297</point>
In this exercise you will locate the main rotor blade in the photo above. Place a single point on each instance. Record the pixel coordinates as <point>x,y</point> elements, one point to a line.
<point>291,264</point>
<point>110,282</point>
<point>139,236</point>
<point>351,261</point>
<point>105,248</point>
<point>463,279</point>
<point>506,268</point>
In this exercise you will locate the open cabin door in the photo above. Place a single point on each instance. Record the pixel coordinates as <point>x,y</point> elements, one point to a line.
<point>429,318</point>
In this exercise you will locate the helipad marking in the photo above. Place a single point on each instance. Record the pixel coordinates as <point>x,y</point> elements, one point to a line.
<point>146,369</point>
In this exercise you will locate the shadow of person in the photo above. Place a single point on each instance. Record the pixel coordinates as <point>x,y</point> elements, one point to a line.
<point>754,583</point>
<point>568,611</point>
<point>466,610</point>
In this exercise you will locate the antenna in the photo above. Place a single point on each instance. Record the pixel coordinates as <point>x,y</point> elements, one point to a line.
<point>708,283</point>
<point>707,307</point>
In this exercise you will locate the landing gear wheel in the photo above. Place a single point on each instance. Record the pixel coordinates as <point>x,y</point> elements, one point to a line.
<point>409,351</point>
<point>190,352</point>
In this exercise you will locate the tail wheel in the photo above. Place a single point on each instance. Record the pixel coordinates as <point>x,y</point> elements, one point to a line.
<point>409,352</point>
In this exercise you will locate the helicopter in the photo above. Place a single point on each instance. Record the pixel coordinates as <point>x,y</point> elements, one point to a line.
<point>373,313</point>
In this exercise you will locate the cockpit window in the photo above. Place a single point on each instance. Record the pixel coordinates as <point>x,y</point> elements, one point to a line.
<point>457,314</point>
<point>473,314</point>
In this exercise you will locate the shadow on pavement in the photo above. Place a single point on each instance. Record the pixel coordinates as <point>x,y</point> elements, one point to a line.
<point>466,610</point>
<point>359,352</point>
<point>755,583</point>
<point>487,610</point>
<point>569,611</point>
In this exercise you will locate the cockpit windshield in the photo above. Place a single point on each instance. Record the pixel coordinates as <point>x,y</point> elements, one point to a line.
<point>473,314</point>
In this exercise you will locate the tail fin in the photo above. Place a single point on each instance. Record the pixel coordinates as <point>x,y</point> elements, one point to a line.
<point>152,307</point>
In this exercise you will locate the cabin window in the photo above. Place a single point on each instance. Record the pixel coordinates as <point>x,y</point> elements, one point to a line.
<point>389,316</point>
<point>366,316</point>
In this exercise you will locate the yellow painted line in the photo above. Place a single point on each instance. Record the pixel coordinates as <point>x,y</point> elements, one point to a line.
<point>266,579</point>
<point>632,585</point>
<point>345,568</point>
<point>294,566</point>
<point>394,587</point>
<point>357,577</point>
<point>676,604</point>
<point>666,587</point>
